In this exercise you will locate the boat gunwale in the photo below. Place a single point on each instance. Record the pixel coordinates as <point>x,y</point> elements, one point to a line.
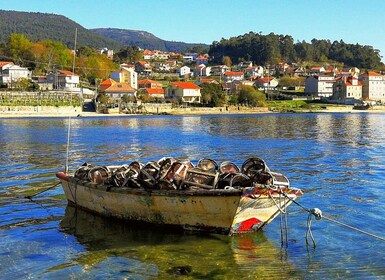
<point>148,192</point>
<point>141,191</point>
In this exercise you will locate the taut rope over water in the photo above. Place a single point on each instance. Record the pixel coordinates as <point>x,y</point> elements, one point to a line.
<point>317,213</point>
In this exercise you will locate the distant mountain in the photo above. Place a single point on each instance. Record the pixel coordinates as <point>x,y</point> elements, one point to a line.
<point>42,26</point>
<point>145,40</point>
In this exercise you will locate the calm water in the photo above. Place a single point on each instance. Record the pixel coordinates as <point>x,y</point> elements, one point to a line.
<point>337,159</point>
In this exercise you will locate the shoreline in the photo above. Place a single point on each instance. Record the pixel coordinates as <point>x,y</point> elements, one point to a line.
<point>178,112</point>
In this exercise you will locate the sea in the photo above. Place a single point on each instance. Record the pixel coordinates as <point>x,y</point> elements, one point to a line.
<point>337,159</point>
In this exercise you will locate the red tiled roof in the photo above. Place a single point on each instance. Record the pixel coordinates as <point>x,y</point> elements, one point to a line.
<point>3,63</point>
<point>232,73</point>
<point>185,85</point>
<point>264,80</point>
<point>147,81</point>
<point>119,88</point>
<point>155,90</point>
<point>107,82</point>
<point>66,73</point>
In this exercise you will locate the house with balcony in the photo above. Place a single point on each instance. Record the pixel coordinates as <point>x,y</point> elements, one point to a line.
<point>373,86</point>
<point>187,92</point>
<point>319,86</point>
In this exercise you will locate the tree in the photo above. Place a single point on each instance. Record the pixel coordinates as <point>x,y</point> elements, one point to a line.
<point>19,47</point>
<point>129,54</point>
<point>103,98</point>
<point>287,81</point>
<point>212,95</point>
<point>226,60</point>
<point>250,96</point>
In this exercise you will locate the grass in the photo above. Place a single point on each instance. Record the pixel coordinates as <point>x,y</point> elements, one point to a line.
<point>294,105</point>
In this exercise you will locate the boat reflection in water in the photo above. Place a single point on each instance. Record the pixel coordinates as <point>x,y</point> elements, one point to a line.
<point>114,248</point>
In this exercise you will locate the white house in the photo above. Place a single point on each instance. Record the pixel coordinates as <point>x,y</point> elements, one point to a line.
<point>230,76</point>
<point>266,83</point>
<point>202,70</point>
<point>244,65</point>
<point>320,86</point>
<point>188,92</point>
<point>64,80</point>
<point>11,73</point>
<point>254,71</point>
<point>183,71</point>
<point>219,70</point>
<point>373,86</point>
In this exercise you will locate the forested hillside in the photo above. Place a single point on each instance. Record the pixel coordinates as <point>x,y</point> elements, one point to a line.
<point>272,49</point>
<point>145,40</point>
<point>40,26</point>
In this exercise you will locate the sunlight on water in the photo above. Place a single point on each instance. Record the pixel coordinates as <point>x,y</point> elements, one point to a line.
<point>338,160</point>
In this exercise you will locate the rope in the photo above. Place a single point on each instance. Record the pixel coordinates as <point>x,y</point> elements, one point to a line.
<point>317,213</point>
<point>30,196</point>
<point>283,215</point>
<point>353,228</point>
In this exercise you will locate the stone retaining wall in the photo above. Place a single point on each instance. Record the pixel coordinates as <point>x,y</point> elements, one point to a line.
<point>30,110</point>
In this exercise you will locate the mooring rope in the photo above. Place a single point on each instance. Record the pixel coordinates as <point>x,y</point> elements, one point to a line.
<point>317,213</point>
<point>47,189</point>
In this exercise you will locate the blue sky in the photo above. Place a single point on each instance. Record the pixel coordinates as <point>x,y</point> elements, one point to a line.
<point>205,21</point>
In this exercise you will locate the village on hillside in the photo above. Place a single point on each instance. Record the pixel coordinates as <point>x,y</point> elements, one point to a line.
<point>165,77</point>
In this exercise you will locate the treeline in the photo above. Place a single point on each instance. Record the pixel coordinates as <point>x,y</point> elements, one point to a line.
<point>273,49</point>
<point>44,56</point>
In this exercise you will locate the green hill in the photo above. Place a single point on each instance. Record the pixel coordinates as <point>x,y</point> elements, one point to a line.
<point>42,26</point>
<point>145,40</point>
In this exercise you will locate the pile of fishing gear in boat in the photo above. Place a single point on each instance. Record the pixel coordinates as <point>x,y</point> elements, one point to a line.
<point>169,173</point>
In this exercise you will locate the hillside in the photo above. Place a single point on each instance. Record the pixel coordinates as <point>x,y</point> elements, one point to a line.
<point>144,40</point>
<point>41,26</point>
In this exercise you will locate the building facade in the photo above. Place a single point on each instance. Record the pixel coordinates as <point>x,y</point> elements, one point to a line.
<point>320,86</point>
<point>347,90</point>
<point>188,92</point>
<point>373,86</point>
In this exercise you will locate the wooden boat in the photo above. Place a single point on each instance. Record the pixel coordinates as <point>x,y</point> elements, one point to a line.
<point>183,195</point>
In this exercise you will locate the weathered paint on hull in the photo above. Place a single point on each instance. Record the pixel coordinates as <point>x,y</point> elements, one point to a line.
<point>254,213</point>
<point>229,211</point>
